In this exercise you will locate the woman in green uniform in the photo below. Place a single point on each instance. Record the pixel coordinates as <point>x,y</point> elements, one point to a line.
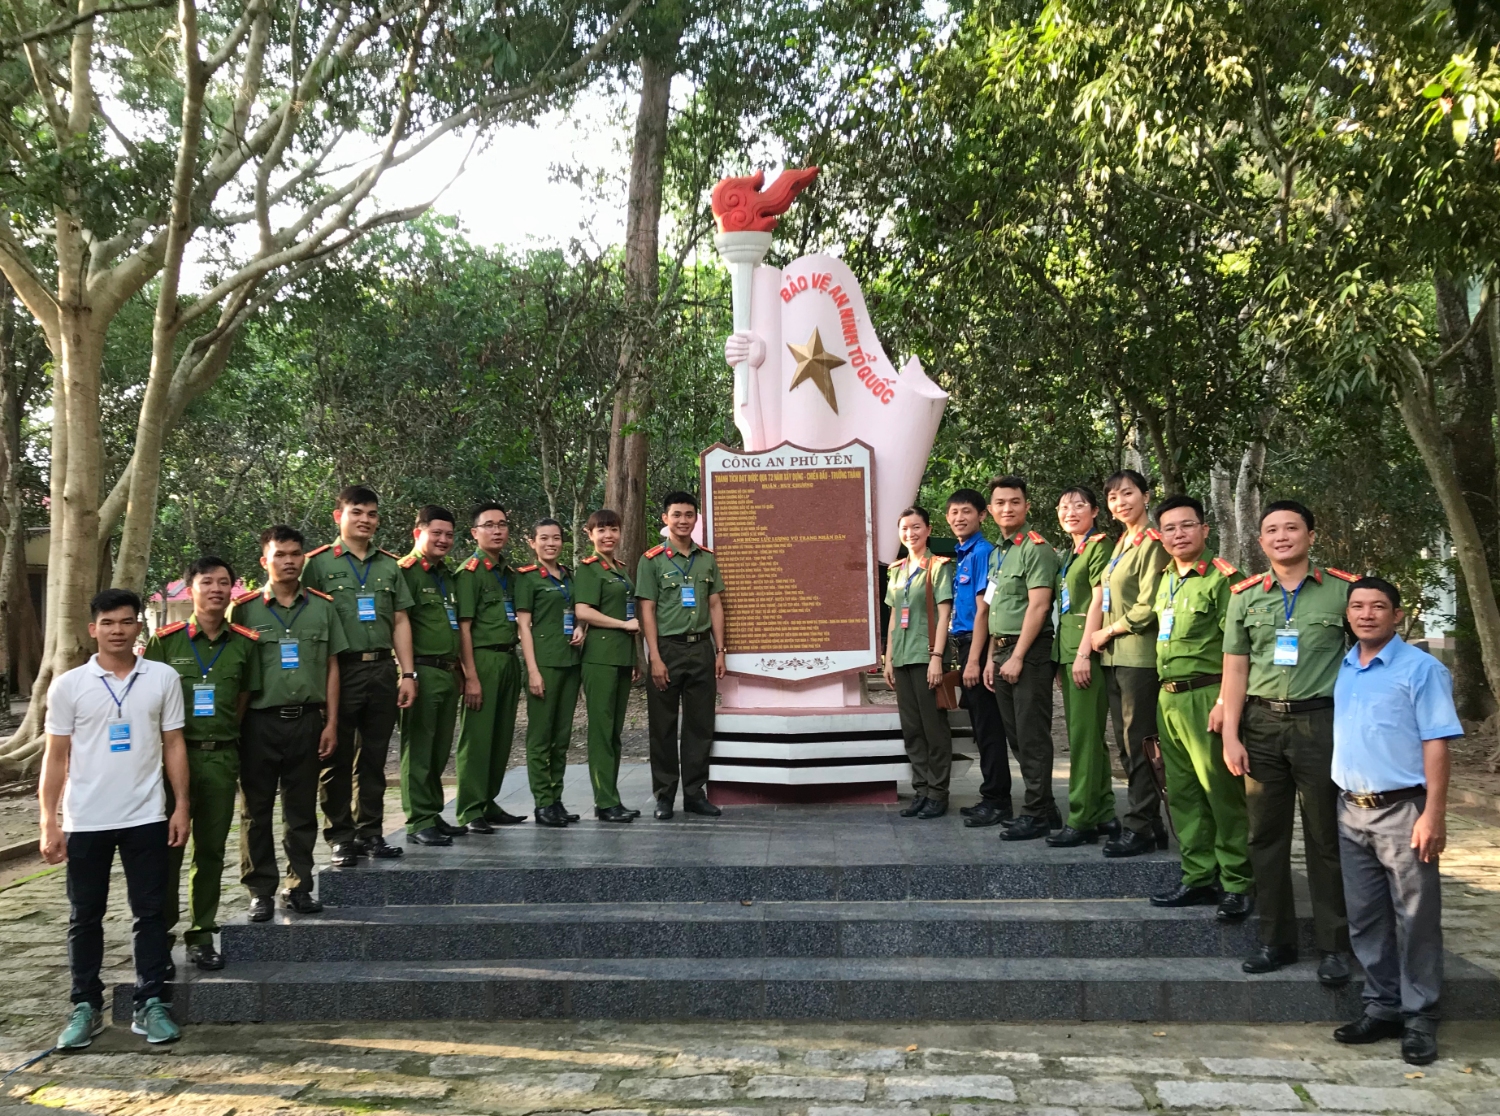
<point>1127,641</point>
<point>550,641</point>
<point>606,607</point>
<point>914,662</point>
<point>1091,798</point>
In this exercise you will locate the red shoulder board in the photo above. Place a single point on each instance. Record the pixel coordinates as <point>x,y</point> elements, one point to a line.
<point>168,629</point>
<point>1225,568</point>
<point>653,552</point>
<point>938,560</point>
<point>388,553</point>
<point>527,569</point>
<point>318,593</point>
<point>705,550</point>
<point>247,595</point>
<point>408,562</point>
<point>1342,575</point>
<point>248,633</point>
<point>1153,533</point>
<point>471,565</point>
<point>1095,538</point>
<point>319,550</point>
<point>1243,585</point>
<point>1034,537</point>
<point>591,559</point>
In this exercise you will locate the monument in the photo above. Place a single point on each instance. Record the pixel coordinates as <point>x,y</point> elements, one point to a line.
<point>835,444</point>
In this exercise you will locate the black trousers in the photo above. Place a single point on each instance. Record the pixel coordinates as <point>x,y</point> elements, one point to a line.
<point>691,686</point>
<point>352,783</point>
<point>989,730</point>
<point>277,753</point>
<point>143,856</point>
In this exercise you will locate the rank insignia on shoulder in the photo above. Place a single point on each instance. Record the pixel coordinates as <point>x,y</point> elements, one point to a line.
<point>318,593</point>
<point>1034,537</point>
<point>471,565</point>
<point>591,559</point>
<point>247,595</point>
<point>527,569</point>
<point>408,562</point>
<point>653,552</point>
<point>1153,533</point>
<point>248,633</point>
<point>388,553</point>
<point>1095,538</point>
<point>170,629</point>
<point>1225,568</point>
<point>1243,585</point>
<point>320,549</point>
<point>1342,575</point>
<point>938,560</point>
<point>705,550</point>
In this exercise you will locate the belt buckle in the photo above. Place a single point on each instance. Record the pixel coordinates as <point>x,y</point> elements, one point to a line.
<point>290,712</point>
<point>1365,801</point>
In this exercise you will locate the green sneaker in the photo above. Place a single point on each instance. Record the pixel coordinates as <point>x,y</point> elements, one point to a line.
<point>154,1020</point>
<point>85,1022</point>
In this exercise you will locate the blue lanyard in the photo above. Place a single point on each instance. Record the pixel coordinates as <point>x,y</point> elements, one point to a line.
<point>1289,604</point>
<point>686,573</point>
<point>361,577</point>
<point>286,625</point>
<point>906,589</point>
<point>1173,584</point>
<point>1074,552</point>
<point>120,701</point>
<point>562,585</point>
<point>614,571</point>
<point>193,643</point>
<point>442,585</point>
<point>502,581</point>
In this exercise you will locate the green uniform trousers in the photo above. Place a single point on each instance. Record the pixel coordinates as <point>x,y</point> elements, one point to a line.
<point>1091,796</point>
<point>278,753</point>
<point>485,734</point>
<point>1132,706</point>
<point>1026,711</point>
<point>426,742</point>
<point>606,691</point>
<point>1291,761</point>
<point>1208,803</point>
<point>924,728</point>
<point>351,782</point>
<point>549,728</point>
<point>691,686</point>
<point>213,785</point>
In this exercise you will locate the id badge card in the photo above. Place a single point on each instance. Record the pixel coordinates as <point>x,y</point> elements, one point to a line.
<point>203,699</point>
<point>989,594</point>
<point>689,597</point>
<point>1105,602</point>
<point>1064,600</point>
<point>510,611</point>
<point>1164,632</point>
<point>452,617</point>
<point>568,623</point>
<point>365,602</point>
<point>629,609</point>
<point>906,616</point>
<point>119,736</point>
<point>290,659</point>
<point>1286,647</point>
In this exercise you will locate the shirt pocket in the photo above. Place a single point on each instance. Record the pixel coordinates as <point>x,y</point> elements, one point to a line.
<point>1260,625</point>
<point>1322,632</point>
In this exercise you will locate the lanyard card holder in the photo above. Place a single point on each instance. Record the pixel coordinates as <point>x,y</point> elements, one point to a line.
<point>1105,603</point>
<point>365,602</point>
<point>510,610</point>
<point>1164,632</point>
<point>1286,648</point>
<point>290,656</point>
<point>689,596</point>
<point>203,699</point>
<point>452,617</point>
<point>568,622</point>
<point>630,608</point>
<point>1064,601</point>
<point>119,734</point>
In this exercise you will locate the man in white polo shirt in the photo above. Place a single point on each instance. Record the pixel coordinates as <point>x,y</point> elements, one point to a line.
<point>112,724</point>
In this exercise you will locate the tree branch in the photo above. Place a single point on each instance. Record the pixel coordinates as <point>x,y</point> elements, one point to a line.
<point>67,23</point>
<point>1475,325</point>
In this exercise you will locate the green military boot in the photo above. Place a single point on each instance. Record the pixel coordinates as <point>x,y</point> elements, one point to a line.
<point>85,1022</point>
<point>154,1020</point>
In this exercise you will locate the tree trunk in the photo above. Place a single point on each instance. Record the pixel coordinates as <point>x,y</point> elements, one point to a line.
<point>1221,500</point>
<point>1247,502</point>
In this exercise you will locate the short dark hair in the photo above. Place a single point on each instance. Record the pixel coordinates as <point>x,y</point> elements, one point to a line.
<point>281,533</point>
<point>916,510</point>
<point>678,496</point>
<point>545,521</point>
<point>357,494</point>
<point>1295,506</point>
<point>427,513</point>
<point>204,565</point>
<point>1010,480</point>
<point>604,517</point>
<point>487,505</point>
<point>1114,480</point>
<point>1380,584</point>
<point>110,600</point>
<point>1080,490</point>
<point>1172,503</point>
<point>969,496</point>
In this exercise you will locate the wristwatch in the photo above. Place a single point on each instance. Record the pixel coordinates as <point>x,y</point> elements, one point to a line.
<point>410,674</point>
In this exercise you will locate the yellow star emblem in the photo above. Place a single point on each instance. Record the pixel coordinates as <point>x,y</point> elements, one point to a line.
<point>815,363</point>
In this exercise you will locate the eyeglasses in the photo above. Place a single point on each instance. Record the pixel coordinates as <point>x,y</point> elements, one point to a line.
<point>1181,528</point>
<point>492,526</point>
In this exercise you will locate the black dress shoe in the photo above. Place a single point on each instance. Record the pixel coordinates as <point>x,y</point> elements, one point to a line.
<point>1025,828</point>
<point>614,814</point>
<point>479,825</point>
<point>932,809</point>
<point>1159,832</point>
<point>205,957</point>
<point>663,809</point>
<point>915,808</point>
<point>1269,958</point>
<point>1367,1029</point>
<point>345,855</point>
<point>552,816</point>
<point>1129,843</point>
<point>171,971</point>
<point>632,811</point>
<point>262,907</point>
<point>701,806</point>
<point>452,830</point>
<point>983,815</point>
<point>564,810</point>
<point>1419,1047</point>
<point>380,850</point>
<point>1333,970</point>
<point>496,816</point>
<point>1199,895</point>
<point>432,835</point>
<point>1234,906</point>
<point>1069,838</point>
<point>1111,828</point>
<point>301,901</point>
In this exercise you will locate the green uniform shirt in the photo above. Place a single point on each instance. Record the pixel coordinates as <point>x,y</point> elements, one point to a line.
<point>1079,570</point>
<point>1018,564</point>
<point>608,589</point>
<point>1129,583</point>
<point>335,571</point>
<point>661,576</point>
<point>314,624</point>
<point>1257,610</point>
<point>230,664</point>
<point>484,588</point>
<point>434,615</point>
<point>909,590</point>
<point>1190,613</point>
<point>547,599</point>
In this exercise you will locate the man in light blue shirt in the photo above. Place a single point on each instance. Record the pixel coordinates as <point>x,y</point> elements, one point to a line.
<point>1393,715</point>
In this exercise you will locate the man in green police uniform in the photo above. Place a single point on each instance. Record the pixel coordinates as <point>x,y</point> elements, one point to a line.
<point>291,724</point>
<point>1207,802</point>
<point>372,600</point>
<point>1283,640</point>
<point>1016,611</point>
<point>678,586</point>
<point>486,590</point>
<point>427,724</point>
<point>220,669</point>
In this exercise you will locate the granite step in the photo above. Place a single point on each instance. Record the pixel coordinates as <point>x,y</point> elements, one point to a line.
<point>912,988</point>
<point>903,928</point>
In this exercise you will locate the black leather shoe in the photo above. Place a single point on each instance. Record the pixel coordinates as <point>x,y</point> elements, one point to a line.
<point>932,809</point>
<point>571,817</point>
<point>171,971</point>
<point>479,825</point>
<point>983,815</point>
<point>1159,832</point>
<point>1367,1029</point>
<point>915,808</point>
<point>1234,906</point>
<point>296,899</point>
<point>701,806</point>
<point>632,811</point>
<point>1199,895</point>
<point>205,957</point>
<point>452,830</point>
<point>614,814</point>
<point>663,809</point>
<point>496,816</point>
<point>345,855</point>
<point>377,848</point>
<point>1025,828</point>
<point>1419,1048</point>
<point>1269,958</point>
<point>553,816</point>
<point>1069,838</point>
<point>432,835</point>
<point>1333,970</point>
<point>262,907</point>
<point>1129,843</point>
<point>1111,829</point>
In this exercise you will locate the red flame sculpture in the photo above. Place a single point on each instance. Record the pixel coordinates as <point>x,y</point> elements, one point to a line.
<point>740,206</point>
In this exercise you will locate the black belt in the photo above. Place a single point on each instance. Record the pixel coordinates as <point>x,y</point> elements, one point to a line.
<point>211,745</point>
<point>289,712</point>
<point>1306,706</point>
<point>433,661</point>
<point>364,656</point>
<point>687,637</point>
<point>495,647</point>
<point>1004,641</point>
<point>1384,798</point>
<point>1184,685</point>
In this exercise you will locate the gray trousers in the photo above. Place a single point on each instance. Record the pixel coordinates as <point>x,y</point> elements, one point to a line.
<point>1026,712</point>
<point>924,728</point>
<point>1395,912</point>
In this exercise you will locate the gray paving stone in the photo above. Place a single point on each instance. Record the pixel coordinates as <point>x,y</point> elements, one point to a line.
<point>704,1087</point>
<point>1009,1110</point>
<point>890,1059</point>
<point>244,1089</point>
<point>1263,1067</point>
<point>707,1058</point>
<point>1228,1094</point>
<point>854,1110</point>
<point>350,1063</point>
<point>410,1089</point>
<point>101,1095</point>
<point>942,1058</point>
<point>518,1090</point>
<point>921,1086</point>
<point>1127,1067</point>
<point>1090,1094</point>
<point>1363,1098</point>
<point>774,1085</point>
